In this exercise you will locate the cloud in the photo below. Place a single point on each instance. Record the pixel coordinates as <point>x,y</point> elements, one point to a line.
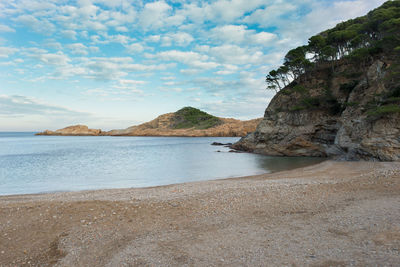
<point>268,15</point>
<point>78,49</point>
<point>117,67</point>
<point>190,58</point>
<point>53,45</point>
<point>134,48</point>
<point>179,39</point>
<point>234,54</point>
<point>222,11</point>
<point>239,34</point>
<point>23,113</point>
<point>55,59</point>
<point>5,28</point>
<point>70,34</point>
<point>18,105</point>
<point>5,52</point>
<point>41,26</point>
<point>153,38</point>
<point>154,15</point>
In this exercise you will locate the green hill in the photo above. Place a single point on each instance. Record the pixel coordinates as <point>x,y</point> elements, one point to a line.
<point>189,117</point>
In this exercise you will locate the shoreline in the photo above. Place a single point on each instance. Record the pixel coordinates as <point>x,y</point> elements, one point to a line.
<point>331,213</point>
<point>165,185</point>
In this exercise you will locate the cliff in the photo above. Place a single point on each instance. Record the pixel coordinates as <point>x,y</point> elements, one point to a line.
<point>185,122</point>
<point>349,123</point>
<point>346,108</point>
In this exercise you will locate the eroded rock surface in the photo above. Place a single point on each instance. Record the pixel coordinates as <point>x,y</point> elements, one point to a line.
<point>324,116</point>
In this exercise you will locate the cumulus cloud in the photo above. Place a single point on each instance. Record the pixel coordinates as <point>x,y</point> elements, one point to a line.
<point>190,58</point>
<point>220,10</point>
<point>117,67</point>
<point>5,52</point>
<point>135,48</point>
<point>55,59</point>
<point>70,34</point>
<point>239,34</point>
<point>78,49</point>
<point>179,39</point>
<point>155,15</point>
<point>41,26</point>
<point>234,54</point>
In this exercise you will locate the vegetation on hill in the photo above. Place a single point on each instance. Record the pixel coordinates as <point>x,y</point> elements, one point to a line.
<point>355,43</point>
<point>189,117</point>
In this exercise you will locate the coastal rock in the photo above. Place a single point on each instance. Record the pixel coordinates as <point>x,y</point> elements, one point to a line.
<point>79,130</point>
<point>350,125</point>
<point>221,144</point>
<point>162,126</point>
<point>188,122</point>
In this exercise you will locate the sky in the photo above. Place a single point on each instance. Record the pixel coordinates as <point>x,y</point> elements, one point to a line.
<point>111,64</point>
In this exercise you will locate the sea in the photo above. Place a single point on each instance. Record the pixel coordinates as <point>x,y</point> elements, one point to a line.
<point>32,164</point>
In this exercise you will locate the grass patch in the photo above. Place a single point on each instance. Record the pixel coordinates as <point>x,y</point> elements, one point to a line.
<point>297,108</point>
<point>189,117</point>
<point>311,102</point>
<point>383,110</point>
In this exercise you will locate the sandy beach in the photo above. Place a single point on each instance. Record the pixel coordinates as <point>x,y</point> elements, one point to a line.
<point>329,214</point>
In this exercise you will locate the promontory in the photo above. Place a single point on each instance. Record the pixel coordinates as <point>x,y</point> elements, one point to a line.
<point>187,121</point>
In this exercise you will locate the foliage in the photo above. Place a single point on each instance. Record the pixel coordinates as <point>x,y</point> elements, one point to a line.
<point>311,102</point>
<point>189,117</point>
<point>357,40</point>
<point>297,108</point>
<point>383,110</point>
<point>348,87</point>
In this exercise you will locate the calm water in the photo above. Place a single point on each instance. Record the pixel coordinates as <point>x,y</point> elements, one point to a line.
<point>37,164</point>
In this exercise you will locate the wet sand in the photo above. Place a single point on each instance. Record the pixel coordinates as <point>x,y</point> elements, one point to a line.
<point>329,214</point>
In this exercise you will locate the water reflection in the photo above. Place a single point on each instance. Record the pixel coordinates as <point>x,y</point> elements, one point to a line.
<point>276,164</point>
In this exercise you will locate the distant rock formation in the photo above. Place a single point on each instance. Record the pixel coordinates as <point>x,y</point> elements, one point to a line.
<point>185,122</point>
<point>79,130</point>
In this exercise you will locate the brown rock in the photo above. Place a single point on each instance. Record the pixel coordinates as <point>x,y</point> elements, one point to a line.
<point>79,130</point>
<point>344,129</point>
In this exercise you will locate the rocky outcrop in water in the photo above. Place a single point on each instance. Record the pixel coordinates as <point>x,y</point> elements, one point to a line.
<point>78,130</point>
<point>348,114</point>
<point>185,122</point>
<point>163,126</point>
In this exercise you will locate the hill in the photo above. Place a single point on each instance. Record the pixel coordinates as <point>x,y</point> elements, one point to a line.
<point>338,96</point>
<point>187,121</point>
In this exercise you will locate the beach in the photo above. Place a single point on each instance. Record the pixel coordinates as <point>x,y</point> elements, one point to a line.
<point>329,214</point>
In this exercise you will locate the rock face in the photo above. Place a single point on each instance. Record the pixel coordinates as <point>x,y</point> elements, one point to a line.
<point>347,114</point>
<point>79,130</point>
<point>167,125</point>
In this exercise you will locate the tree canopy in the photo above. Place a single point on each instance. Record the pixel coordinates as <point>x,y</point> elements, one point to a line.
<point>357,39</point>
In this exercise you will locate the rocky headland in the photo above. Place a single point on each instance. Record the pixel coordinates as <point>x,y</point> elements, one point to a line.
<point>78,130</point>
<point>187,121</point>
<point>345,104</point>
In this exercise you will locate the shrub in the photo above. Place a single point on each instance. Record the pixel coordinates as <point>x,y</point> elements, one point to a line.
<point>383,110</point>
<point>348,87</point>
<point>189,117</point>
